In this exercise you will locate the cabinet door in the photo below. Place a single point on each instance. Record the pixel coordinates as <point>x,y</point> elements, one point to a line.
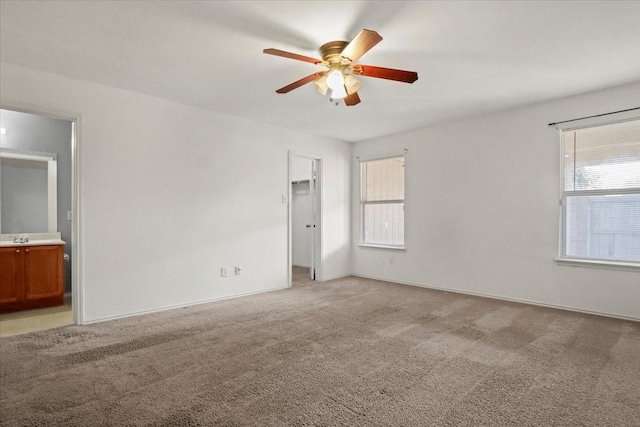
<point>43,272</point>
<point>10,274</point>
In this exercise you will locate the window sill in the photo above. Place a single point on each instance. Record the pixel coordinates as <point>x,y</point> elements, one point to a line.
<point>616,265</point>
<point>379,246</point>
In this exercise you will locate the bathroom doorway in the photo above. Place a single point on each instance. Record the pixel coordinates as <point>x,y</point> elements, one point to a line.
<point>26,138</point>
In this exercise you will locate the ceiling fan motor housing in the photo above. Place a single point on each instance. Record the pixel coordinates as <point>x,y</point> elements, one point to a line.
<point>331,51</point>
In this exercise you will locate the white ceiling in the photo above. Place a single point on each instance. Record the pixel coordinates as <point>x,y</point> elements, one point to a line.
<point>471,57</point>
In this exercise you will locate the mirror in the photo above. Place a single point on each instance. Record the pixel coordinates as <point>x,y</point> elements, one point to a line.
<point>28,192</point>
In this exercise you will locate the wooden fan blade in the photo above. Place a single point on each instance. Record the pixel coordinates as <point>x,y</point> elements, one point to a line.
<point>284,54</point>
<point>351,100</point>
<point>363,42</point>
<point>385,73</point>
<point>301,82</point>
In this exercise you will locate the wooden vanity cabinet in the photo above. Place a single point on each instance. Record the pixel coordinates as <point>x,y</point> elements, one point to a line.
<point>11,266</point>
<point>31,277</point>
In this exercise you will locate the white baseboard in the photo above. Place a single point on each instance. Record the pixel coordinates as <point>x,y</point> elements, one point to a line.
<point>420,285</point>
<point>341,276</point>
<point>499,297</point>
<point>188,304</point>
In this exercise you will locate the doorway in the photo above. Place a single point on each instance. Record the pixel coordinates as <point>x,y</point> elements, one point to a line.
<point>305,234</point>
<point>25,134</point>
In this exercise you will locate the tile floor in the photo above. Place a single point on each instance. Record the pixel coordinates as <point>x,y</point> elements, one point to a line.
<point>23,322</point>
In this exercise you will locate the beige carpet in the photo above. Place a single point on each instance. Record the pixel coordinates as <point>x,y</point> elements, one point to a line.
<point>300,275</point>
<point>349,352</point>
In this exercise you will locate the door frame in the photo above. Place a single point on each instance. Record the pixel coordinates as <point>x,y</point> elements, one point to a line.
<point>317,259</point>
<point>77,285</point>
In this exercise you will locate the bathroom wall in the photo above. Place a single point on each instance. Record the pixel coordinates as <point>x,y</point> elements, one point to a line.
<point>29,132</point>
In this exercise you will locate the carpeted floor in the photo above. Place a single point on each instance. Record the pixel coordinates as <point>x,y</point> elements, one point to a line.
<point>300,276</point>
<point>352,352</point>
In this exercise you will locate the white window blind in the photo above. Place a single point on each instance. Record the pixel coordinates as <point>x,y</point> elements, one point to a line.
<point>601,193</point>
<point>382,201</point>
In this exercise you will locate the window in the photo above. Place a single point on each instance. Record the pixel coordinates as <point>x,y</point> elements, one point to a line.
<point>382,202</point>
<point>601,193</point>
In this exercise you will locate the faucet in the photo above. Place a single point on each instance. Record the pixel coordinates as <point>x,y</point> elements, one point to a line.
<point>21,239</point>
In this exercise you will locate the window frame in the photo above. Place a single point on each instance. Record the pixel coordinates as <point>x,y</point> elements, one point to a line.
<point>363,203</point>
<point>561,258</point>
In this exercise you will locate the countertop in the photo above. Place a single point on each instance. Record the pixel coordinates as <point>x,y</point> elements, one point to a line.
<point>10,244</point>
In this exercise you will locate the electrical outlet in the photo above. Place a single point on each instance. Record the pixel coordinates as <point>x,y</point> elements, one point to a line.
<point>392,261</point>
<point>223,272</point>
<point>238,270</point>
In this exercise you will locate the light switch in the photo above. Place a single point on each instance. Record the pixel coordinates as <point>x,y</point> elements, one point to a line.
<point>69,215</point>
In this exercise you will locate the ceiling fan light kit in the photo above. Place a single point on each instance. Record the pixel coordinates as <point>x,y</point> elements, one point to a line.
<point>339,58</point>
<point>321,84</point>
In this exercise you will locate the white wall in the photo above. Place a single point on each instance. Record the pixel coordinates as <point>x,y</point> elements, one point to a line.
<point>171,193</point>
<point>300,169</point>
<point>482,209</point>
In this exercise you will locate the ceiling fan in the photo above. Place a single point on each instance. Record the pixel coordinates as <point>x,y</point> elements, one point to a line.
<point>339,57</point>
